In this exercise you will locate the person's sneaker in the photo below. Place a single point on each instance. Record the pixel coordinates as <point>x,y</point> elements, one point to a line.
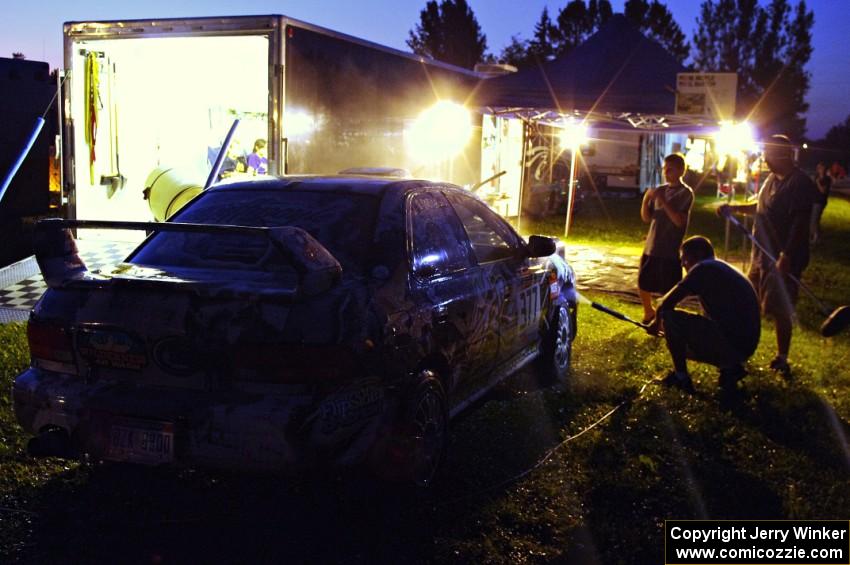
<point>729,376</point>
<point>673,379</point>
<point>781,366</point>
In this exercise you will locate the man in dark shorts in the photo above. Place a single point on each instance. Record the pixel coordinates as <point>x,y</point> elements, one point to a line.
<point>727,335</point>
<point>666,209</point>
<point>782,217</point>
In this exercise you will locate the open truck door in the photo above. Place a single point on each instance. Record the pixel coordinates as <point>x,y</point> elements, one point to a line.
<point>159,95</point>
<point>150,95</point>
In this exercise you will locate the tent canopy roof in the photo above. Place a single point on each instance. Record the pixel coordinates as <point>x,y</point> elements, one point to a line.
<point>617,70</point>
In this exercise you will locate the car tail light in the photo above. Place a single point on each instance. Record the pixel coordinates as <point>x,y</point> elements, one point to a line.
<point>295,364</point>
<point>51,345</point>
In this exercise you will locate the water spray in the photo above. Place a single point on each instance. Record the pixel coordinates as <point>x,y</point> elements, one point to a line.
<point>609,311</point>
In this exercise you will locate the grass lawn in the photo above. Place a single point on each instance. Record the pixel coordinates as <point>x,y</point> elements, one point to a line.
<point>779,450</point>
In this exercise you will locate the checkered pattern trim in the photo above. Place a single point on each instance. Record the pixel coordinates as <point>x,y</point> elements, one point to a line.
<point>23,294</point>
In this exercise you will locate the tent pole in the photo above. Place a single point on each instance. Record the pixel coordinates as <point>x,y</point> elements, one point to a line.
<point>522,176</point>
<point>571,191</point>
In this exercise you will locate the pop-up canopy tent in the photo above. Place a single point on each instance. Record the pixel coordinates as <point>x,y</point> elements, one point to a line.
<point>617,79</point>
<point>617,72</point>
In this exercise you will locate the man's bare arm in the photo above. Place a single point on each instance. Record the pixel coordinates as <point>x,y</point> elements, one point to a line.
<point>680,219</point>
<point>648,197</point>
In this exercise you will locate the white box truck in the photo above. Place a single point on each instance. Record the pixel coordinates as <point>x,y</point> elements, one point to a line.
<point>160,94</point>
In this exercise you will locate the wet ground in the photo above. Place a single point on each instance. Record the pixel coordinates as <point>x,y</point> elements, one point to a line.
<point>605,269</point>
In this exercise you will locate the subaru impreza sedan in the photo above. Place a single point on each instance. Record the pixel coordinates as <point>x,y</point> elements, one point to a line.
<point>291,323</point>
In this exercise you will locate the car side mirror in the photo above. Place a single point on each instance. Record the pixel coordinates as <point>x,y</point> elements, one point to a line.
<point>540,246</point>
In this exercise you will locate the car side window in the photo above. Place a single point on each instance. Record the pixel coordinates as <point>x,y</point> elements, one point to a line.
<point>439,244</point>
<point>490,236</point>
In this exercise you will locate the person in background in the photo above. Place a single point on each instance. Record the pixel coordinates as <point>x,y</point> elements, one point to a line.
<point>728,332</point>
<point>257,161</point>
<point>234,159</point>
<point>836,171</point>
<point>667,210</point>
<point>783,214</point>
<point>824,183</point>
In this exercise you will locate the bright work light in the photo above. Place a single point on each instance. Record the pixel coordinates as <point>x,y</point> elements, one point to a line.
<point>573,134</point>
<point>733,138</point>
<point>440,132</point>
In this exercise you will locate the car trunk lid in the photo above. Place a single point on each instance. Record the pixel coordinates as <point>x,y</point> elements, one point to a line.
<point>187,327</point>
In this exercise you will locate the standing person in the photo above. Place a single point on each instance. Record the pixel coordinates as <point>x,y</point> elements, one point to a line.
<point>257,160</point>
<point>823,182</point>
<point>782,217</point>
<point>667,210</point>
<point>727,335</point>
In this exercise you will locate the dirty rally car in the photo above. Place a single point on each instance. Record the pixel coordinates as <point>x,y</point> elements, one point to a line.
<point>291,323</point>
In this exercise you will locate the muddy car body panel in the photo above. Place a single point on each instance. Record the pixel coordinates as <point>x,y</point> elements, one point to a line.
<point>293,337</point>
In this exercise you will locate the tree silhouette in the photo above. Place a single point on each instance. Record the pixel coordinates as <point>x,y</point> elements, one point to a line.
<point>542,45</point>
<point>837,140</point>
<point>18,55</point>
<point>654,20</point>
<point>541,48</point>
<point>449,32</point>
<point>516,53</point>
<point>577,21</point>
<point>769,48</point>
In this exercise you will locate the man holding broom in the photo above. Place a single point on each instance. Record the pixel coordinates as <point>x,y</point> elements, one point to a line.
<point>782,217</point>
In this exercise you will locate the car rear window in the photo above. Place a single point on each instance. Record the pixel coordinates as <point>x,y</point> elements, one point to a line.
<point>342,222</point>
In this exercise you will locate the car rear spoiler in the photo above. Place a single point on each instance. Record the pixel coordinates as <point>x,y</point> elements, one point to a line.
<point>60,262</point>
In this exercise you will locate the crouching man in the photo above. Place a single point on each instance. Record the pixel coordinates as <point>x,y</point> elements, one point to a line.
<point>727,335</point>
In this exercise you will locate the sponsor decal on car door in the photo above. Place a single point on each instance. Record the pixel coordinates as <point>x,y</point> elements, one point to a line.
<point>449,289</point>
<point>499,252</point>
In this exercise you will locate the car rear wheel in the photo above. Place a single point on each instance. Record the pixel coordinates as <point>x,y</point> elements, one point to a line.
<point>556,347</point>
<point>428,425</point>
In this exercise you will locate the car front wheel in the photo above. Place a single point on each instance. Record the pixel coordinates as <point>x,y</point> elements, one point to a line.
<point>556,347</point>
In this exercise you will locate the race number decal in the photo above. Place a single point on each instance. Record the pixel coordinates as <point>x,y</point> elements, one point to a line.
<point>529,306</point>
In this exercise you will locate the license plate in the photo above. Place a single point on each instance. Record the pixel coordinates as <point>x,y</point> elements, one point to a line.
<point>150,443</point>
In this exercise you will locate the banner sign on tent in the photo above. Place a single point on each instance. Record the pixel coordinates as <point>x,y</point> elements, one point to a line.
<point>710,95</point>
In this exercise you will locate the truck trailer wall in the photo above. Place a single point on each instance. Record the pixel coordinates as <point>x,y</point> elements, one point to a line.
<point>323,101</point>
<point>349,105</point>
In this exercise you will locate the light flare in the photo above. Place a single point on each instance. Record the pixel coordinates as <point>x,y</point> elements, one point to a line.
<point>440,132</point>
<point>573,134</point>
<point>733,138</point>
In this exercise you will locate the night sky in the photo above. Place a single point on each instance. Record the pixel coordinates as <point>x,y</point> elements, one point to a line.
<point>35,28</point>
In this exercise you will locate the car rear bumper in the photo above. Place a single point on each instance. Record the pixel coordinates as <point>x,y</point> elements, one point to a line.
<point>287,431</point>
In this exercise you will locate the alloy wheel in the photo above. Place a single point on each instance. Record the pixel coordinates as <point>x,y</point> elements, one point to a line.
<point>562,340</point>
<point>429,420</point>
